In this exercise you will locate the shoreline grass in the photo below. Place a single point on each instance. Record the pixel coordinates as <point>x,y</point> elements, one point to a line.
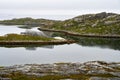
<point>17,37</point>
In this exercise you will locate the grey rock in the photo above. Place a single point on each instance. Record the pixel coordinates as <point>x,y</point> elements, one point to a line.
<point>101,78</point>
<point>92,67</point>
<point>115,73</point>
<point>103,15</point>
<point>34,33</point>
<point>5,78</point>
<point>110,22</point>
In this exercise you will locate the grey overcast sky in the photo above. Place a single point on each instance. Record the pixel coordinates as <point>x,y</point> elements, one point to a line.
<point>58,7</point>
<point>60,4</point>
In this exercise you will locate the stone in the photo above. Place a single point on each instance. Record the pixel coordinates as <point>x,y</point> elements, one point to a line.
<point>59,38</point>
<point>109,22</point>
<point>101,15</point>
<point>5,78</point>
<point>101,78</point>
<point>89,68</point>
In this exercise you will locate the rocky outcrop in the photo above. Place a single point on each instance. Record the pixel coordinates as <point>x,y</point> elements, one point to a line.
<point>111,22</point>
<point>100,78</point>
<point>97,16</point>
<point>89,68</point>
<point>103,15</point>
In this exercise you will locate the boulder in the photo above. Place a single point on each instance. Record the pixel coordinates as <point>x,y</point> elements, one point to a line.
<point>101,15</point>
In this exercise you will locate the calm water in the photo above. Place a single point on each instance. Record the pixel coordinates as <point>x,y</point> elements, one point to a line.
<point>9,29</point>
<point>85,50</point>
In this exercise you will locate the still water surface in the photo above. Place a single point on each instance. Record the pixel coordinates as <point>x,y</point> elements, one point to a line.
<point>85,50</point>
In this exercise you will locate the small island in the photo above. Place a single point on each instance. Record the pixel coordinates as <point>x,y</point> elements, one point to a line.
<point>16,39</point>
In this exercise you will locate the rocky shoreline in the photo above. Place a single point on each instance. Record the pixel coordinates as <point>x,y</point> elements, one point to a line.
<point>81,35</point>
<point>54,42</point>
<point>94,70</point>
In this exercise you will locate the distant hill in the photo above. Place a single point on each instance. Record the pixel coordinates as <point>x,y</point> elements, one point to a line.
<point>27,21</point>
<point>93,24</point>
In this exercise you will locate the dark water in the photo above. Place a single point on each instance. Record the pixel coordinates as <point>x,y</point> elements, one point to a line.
<point>87,49</point>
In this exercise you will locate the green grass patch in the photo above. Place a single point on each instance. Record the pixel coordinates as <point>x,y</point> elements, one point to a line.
<point>17,37</point>
<point>19,76</point>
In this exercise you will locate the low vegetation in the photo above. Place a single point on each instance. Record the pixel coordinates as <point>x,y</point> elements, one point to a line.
<point>96,24</point>
<point>17,37</point>
<point>19,76</point>
<point>63,71</point>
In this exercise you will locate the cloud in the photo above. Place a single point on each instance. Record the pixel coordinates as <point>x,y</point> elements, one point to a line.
<point>57,7</point>
<point>59,4</point>
<point>53,9</point>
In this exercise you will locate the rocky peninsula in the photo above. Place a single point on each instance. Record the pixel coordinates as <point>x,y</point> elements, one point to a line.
<point>16,39</point>
<point>103,25</point>
<point>69,33</point>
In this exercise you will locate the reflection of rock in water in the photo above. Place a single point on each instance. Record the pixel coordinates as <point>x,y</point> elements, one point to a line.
<point>46,46</point>
<point>110,43</point>
<point>34,33</point>
<point>31,48</point>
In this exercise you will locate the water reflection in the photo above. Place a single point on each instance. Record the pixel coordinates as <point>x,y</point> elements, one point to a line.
<point>111,43</point>
<point>44,46</point>
<point>99,42</point>
<point>60,53</point>
<point>29,47</point>
<point>87,49</point>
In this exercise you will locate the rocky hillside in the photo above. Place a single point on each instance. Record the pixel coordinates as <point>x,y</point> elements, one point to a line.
<point>101,24</point>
